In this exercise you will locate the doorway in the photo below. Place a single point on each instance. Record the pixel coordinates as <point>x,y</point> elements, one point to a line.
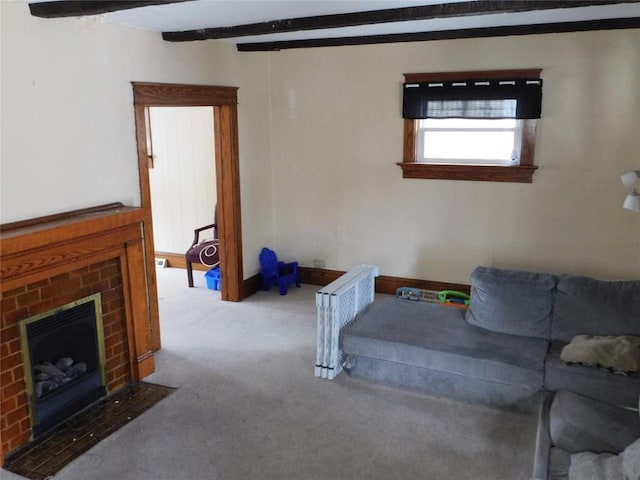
<point>224,102</point>
<point>182,177</point>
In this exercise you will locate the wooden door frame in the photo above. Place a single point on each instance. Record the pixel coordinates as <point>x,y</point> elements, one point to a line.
<point>224,101</point>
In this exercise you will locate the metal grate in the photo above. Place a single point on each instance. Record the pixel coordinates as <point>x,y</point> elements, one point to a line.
<point>62,318</point>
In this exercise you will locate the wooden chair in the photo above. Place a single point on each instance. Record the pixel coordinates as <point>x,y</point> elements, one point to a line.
<point>277,273</point>
<point>206,252</point>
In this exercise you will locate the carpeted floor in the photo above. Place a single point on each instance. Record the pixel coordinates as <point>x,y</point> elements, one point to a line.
<point>249,407</point>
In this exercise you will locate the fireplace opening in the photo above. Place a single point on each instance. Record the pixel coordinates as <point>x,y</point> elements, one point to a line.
<point>64,361</point>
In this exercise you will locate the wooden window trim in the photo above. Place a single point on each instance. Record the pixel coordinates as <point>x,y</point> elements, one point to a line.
<point>522,173</point>
<point>484,75</point>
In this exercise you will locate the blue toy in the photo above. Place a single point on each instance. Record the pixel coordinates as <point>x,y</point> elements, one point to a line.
<point>277,273</point>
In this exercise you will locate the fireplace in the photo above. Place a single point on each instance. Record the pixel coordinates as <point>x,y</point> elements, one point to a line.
<point>76,295</point>
<point>64,361</point>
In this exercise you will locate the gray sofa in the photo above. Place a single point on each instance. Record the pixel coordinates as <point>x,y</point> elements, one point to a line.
<point>505,349</point>
<point>582,438</point>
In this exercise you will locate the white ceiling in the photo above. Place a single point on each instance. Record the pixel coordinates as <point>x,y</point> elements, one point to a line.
<point>197,14</point>
<point>201,14</point>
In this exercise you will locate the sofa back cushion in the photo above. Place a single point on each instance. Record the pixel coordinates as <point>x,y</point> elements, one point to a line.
<point>511,301</point>
<point>585,306</point>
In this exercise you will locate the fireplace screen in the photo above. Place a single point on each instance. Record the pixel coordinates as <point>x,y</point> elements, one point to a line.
<point>64,361</point>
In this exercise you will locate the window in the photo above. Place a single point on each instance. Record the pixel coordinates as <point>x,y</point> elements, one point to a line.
<point>471,125</point>
<point>468,141</point>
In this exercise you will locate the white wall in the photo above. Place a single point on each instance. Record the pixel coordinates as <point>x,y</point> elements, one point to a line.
<point>337,134</point>
<point>183,177</point>
<point>67,119</point>
<point>320,133</point>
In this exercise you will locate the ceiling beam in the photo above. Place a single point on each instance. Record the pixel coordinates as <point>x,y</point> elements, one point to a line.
<point>608,24</point>
<point>80,8</point>
<point>425,12</point>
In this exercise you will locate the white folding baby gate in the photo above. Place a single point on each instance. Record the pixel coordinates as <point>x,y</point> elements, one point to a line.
<point>338,304</point>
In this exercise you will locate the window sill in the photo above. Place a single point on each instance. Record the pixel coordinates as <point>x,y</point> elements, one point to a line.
<point>479,173</point>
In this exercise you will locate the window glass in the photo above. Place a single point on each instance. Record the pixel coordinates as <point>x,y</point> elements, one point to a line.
<point>469,141</point>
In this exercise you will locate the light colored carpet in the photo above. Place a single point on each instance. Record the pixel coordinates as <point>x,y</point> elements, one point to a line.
<point>249,407</point>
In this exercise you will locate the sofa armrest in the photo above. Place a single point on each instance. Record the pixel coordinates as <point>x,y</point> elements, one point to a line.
<point>543,439</point>
<point>578,424</point>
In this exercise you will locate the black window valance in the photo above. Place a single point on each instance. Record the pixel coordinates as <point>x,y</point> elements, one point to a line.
<point>494,98</point>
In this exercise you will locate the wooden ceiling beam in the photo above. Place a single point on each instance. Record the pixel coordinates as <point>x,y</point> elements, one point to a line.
<point>425,12</point>
<point>81,8</point>
<point>608,24</point>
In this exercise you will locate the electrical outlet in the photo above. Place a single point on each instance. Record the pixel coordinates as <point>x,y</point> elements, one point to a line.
<point>318,263</point>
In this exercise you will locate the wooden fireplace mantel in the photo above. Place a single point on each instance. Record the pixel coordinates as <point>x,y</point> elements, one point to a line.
<point>37,249</point>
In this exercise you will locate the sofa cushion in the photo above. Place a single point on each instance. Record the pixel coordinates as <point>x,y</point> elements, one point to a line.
<point>559,463</point>
<point>585,306</point>
<point>606,466</point>
<point>578,424</point>
<point>436,337</point>
<point>593,382</point>
<point>595,466</point>
<point>468,389</point>
<point>511,301</point>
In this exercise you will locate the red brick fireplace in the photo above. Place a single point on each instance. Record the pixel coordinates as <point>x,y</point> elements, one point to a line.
<point>47,263</point>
